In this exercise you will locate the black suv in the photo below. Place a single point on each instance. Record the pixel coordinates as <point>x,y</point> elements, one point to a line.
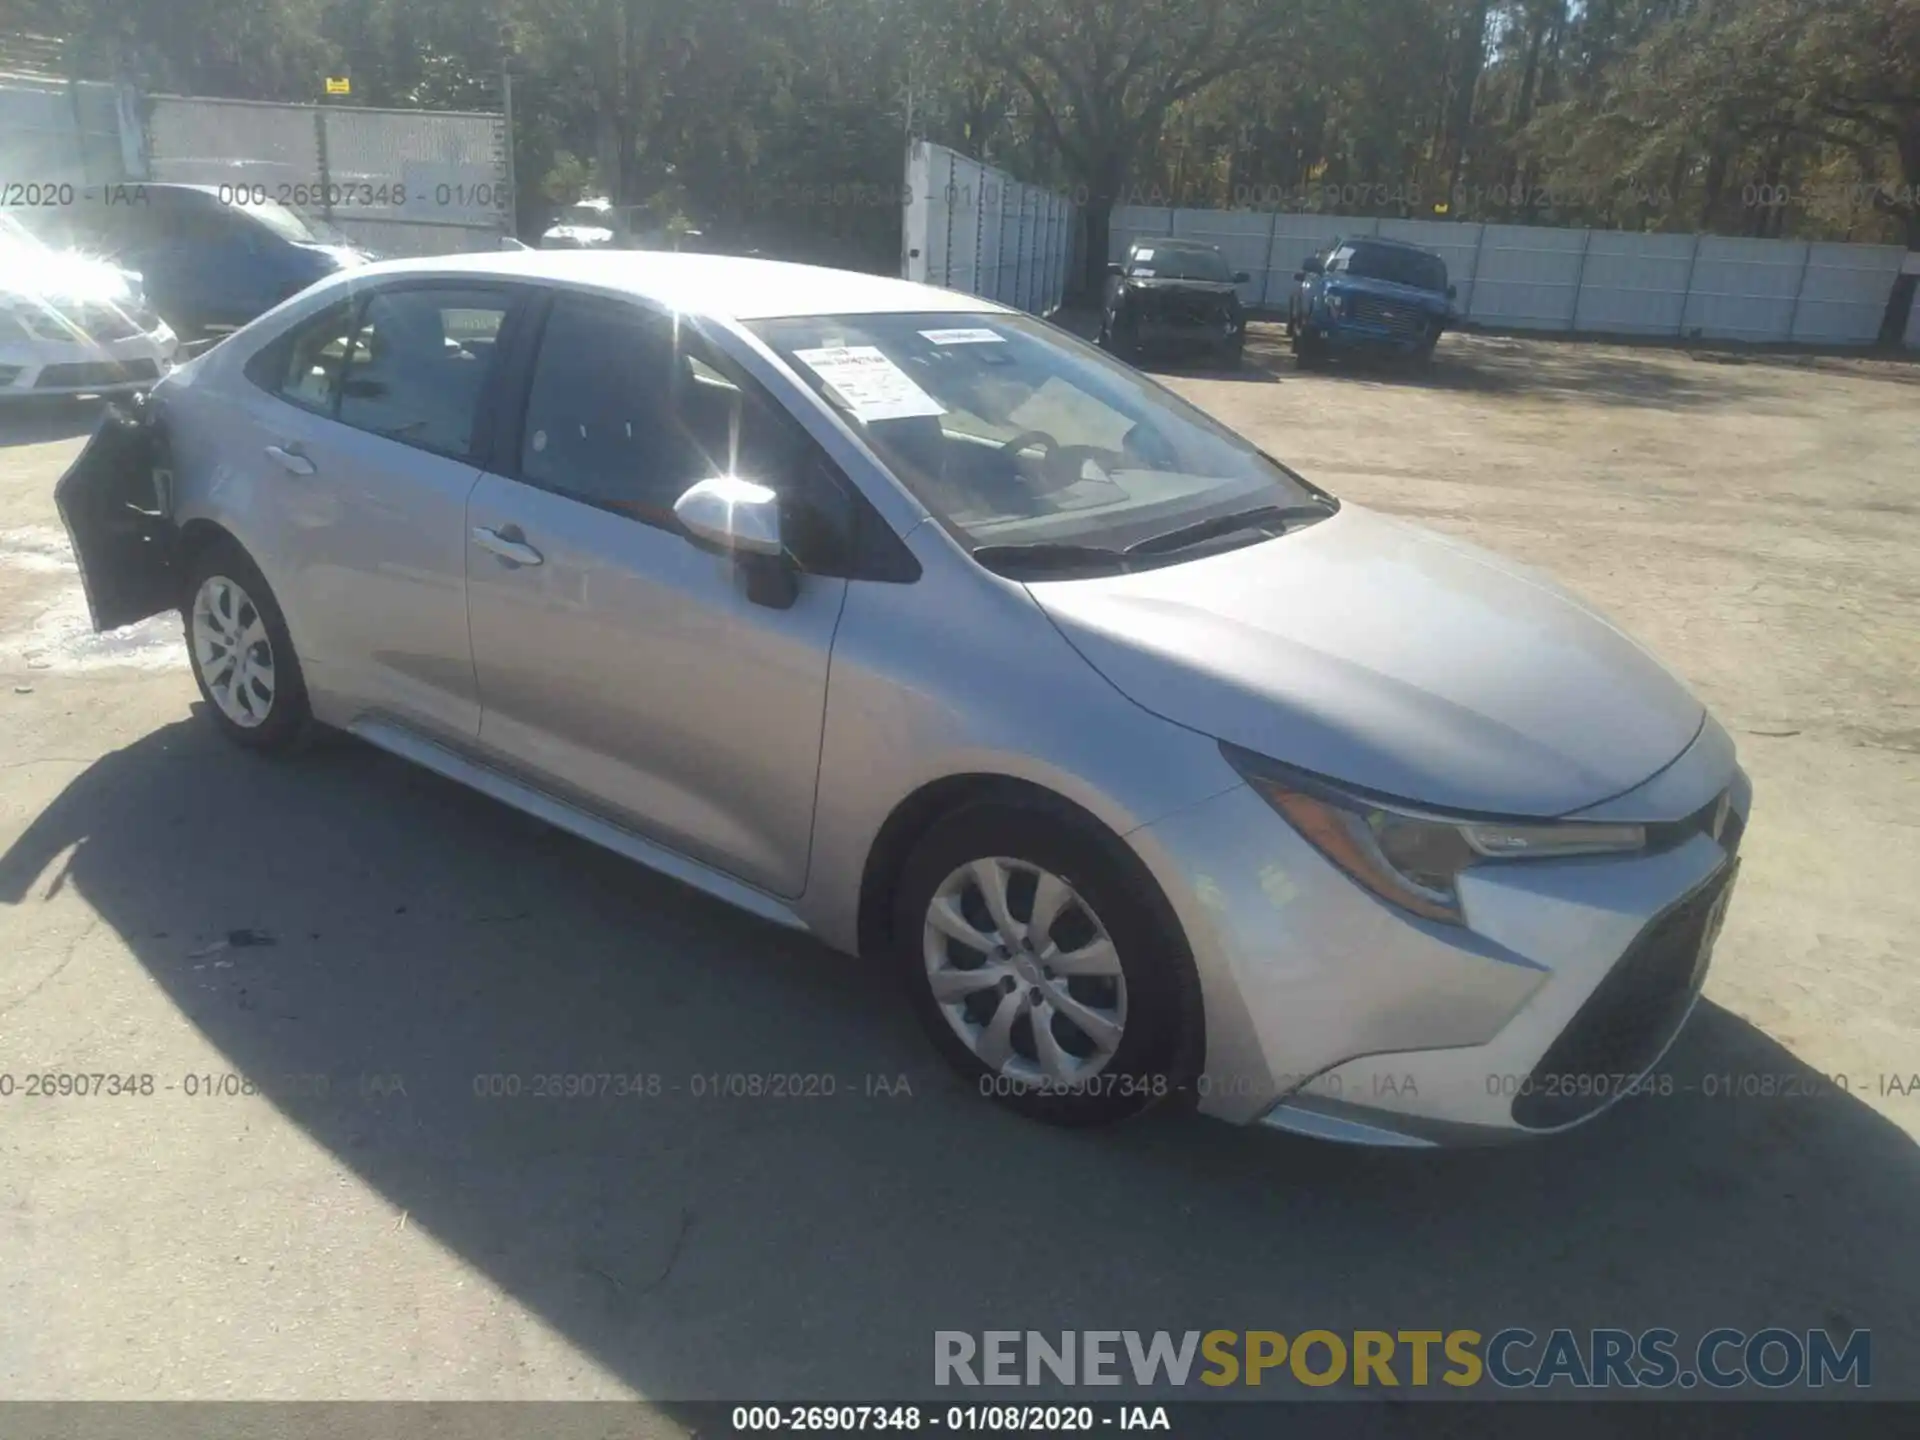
<point>1175,295</point>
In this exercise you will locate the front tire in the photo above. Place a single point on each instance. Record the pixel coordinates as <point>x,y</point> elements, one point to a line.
<point>1309,350</point>
<point>1036,962</point>
<point>242,656</point>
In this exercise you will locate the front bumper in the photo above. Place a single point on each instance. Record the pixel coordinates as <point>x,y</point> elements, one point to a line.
<point>36,367</point>
<point>1332,1014</point>
<point>1357,335</point>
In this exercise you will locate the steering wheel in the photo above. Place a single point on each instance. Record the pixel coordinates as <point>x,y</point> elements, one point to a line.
<point>1028,437</point>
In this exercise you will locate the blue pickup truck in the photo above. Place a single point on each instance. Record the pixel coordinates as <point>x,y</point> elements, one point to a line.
<point>1369,295</point>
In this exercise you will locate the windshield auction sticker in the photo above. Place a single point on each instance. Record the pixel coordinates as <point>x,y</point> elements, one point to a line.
<point>964,337</point>
<point>873,387</point>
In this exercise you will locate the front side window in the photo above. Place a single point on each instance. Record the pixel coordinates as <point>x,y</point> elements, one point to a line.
<point>630,408</point>
<point>419,363</point>
<point>1012,432</point>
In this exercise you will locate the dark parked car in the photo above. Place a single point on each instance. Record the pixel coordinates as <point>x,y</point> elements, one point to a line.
<point>208,262</point>
<point>1174,295</point>
<point>1384,297</point>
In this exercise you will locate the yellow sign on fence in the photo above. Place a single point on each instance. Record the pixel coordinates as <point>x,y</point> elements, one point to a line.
<point>339,85</point>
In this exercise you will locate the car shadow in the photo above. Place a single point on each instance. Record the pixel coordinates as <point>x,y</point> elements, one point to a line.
<point>33,421</point>
<point>701,1245</point>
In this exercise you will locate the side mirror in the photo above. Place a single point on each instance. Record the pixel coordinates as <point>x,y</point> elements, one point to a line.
<point>1114,267</point>
<point>740,519</point>
<point>1240,277</point>
<point>1311,265</point>
<point>1453,292</point>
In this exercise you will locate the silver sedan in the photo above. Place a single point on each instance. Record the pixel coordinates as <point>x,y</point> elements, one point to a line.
<point>1155,771</point>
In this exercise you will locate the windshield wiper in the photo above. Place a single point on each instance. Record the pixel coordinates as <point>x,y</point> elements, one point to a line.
<point>1183,536</point>
<point>1045,554</point>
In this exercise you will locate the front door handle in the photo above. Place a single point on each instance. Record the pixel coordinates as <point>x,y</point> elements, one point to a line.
<point>292,461</point>
<point>507,547</point>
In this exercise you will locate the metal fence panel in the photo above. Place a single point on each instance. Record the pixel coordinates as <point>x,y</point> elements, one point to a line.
<point>1743,289</point>
<point>1635,284</point>
<point>1528,276</point>
<point>1600,281</point>
<point>1843,296</point>
<point>971,227</point>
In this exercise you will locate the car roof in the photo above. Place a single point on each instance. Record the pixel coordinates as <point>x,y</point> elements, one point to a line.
<point>1172,242</point>
<point>730,286</point>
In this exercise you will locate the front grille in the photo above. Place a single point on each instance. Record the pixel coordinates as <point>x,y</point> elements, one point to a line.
<point>1628,1019</point>
<point>96,372</point>
<point>1402,320</point>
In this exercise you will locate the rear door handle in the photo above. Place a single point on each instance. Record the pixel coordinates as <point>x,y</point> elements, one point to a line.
<point>507,547</point>
<point>292,461</point>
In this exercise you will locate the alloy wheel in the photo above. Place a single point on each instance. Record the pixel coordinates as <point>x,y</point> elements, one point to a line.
<point>1024,972</point>
<point>232,651</point>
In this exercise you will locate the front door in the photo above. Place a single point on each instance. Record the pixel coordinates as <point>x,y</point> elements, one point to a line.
<point>619,665</point>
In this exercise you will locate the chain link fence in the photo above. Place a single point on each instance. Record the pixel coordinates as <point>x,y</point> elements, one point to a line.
<point>400,182</point>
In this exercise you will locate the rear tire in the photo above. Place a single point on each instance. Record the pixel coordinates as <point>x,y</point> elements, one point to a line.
<point>1079,1006</point>
<point>241,654</point>
<point>1234,355</point>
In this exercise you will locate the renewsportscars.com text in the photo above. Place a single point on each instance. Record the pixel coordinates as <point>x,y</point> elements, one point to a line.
<point>1772,1358</point>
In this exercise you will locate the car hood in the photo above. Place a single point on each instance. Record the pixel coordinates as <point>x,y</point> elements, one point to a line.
<point>63,277</point>
<point>1408,295</point>
<point>1377,653</point>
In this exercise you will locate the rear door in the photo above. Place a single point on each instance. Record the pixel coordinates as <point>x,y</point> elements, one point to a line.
<point>361,439</point>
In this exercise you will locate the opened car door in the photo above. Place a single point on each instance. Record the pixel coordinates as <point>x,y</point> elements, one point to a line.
<point>115,512</point>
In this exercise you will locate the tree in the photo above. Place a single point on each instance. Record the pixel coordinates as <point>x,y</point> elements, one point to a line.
<point>1102,77</point>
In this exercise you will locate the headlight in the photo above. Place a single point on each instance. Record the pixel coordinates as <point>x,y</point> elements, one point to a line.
<point>1410,857</point>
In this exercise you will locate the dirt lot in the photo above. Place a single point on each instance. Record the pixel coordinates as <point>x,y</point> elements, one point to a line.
<point>400,1236</point>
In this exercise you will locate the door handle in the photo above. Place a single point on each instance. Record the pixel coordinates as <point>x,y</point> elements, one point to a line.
<point>292,461</point>
<point>507,547</point>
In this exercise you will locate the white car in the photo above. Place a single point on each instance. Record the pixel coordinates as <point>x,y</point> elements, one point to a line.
<point>73,325</point>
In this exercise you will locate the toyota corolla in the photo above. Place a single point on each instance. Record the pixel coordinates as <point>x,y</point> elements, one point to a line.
<point>881,611</point>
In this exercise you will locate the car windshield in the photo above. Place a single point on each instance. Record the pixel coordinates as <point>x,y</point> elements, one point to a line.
<point>1178,262</point>
<point>1013,432</point>
<point>1391,263</point>
<point>290,224</point>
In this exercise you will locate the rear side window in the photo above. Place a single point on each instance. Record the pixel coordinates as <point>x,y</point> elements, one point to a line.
<point>419,364</point>
<point>303,367</point>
